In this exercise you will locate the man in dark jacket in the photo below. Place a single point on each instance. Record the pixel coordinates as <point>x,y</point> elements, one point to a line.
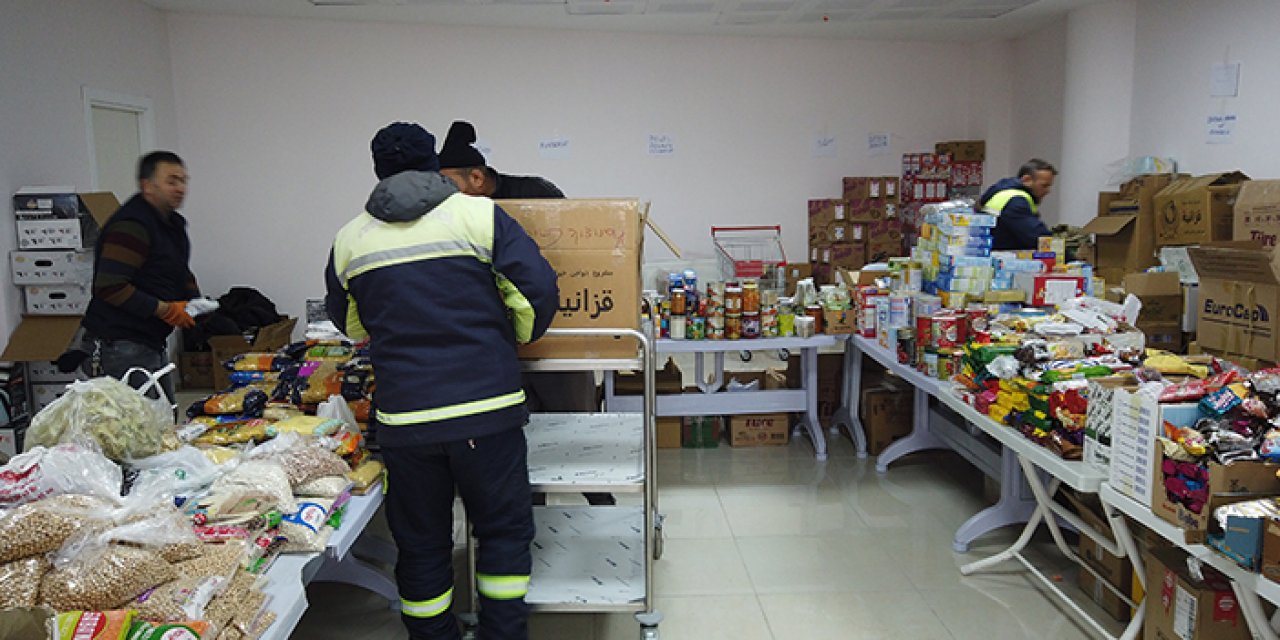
<point>445,285</point>
<point>141,277</point>
<point>558,391</point>
<point>1016,201</point>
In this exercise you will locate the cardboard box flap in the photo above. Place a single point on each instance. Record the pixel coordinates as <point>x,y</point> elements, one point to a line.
<point>1109,225</point>
<point>1166,283</point>
<point>662,235</point>
<point>1234,263</point>
<point>1202,182</point>
<point>580,224</point>
<point>41,338</point>
<point>269,338</point>
<point>101,205</point>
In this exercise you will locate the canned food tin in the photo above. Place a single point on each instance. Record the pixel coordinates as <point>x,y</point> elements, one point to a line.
<point>906,347</point>
<point>924,332</point>
<point>697,328</point>
<point>977,316</point>
<point>931,364</point>
<point>750,325</point>
<point>946,331</point>
<point>732,327</point>
<point>949,364</point>
<point>786,322</point>
<point>715,333</point>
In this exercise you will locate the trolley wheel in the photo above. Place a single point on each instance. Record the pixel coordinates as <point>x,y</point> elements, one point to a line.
<point>745,355</point>
<point>648,633</point>
<point>784,354</point>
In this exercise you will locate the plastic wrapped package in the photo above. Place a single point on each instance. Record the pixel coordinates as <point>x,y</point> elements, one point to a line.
<point>173,473</point>
<point>20,581</point>
<point>63,469</point>
<point>220,455</point>
<point>106,413</point>
<point>305,529</point>
<point>183,599</point>
<point>336,407</point>
<point>255,430</point>
<point>220,559</point>
<point>43,526</point>
<point>257,362</point>
<point>238,605</point>
<point>92,625</point>
<point>100,577</point>
<point>180,630</point>
<point>246,401</point>
<point>366,475</point>
<point>309,425</point>
<point>264,478</point>
<point>306,463</point>
<point>324,487</point>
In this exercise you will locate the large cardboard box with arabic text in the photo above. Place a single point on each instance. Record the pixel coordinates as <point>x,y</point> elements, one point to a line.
<point>1239,299</point>
<point>595,247</point>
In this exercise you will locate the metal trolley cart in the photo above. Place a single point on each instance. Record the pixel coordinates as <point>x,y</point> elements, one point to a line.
<point>595,559</point>
<point>753,252</point>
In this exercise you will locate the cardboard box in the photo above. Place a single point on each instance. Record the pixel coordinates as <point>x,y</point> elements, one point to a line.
<point>57,299</point>
<point>669,379</point>
<point>886,413</point>
<point>761,429</point>
<point>1239,300</point>
<point>64,266</point>
<point>1270,563</point>
<point>1161,296</point>
<point>1166,336</point>
<point>796,273</point>
<point>1046,290</point>
<point>1241,539</point>
<point>1124,229</point>
<point>1197,210</point>
<point>1136,422</point>
<point>963,150</point>
<point>40,338</point>
<point>268,339</point>
<point>1236,482</point>
<point>701,432</point>
<point>195,370</point>
<point>885,240</point>
<point>595,247</point>
<point>839,322</point>
<point>881,189</point>
<point>1184,607</point>
<point>1105,598</point>
<point>1257,212</point>
<point>825,216</point>
<point>847,255</point>
<point>668,432</point>
<point>57,218</point>
<point>830,379</point>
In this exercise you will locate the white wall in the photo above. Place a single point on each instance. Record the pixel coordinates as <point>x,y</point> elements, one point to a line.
<point>48,51</point>
<point>1178,41</point>
<point>1098,99</point>
<point>1038,68</point>
<point>277,114</point>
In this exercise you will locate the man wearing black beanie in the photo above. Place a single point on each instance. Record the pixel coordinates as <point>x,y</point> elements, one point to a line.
<point>445,286</point>
<point>461,161</point>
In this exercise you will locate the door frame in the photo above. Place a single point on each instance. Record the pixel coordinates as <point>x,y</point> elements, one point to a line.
<point>140,105</point>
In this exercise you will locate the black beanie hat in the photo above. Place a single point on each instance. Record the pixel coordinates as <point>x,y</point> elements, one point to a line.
<point>403,146</point>
<point>458,150</point>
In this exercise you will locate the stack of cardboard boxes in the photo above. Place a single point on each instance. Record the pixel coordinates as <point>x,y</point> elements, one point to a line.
<point>844,232</point>
<point>53,265</point>
<point>967,158</point>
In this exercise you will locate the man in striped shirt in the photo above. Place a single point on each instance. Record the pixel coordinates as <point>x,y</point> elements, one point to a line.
<point>141,277</point>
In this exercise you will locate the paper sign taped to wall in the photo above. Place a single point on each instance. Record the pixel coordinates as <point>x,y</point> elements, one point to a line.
<point>824,146</point>
<point>1221,128</point>
<point>1224,80</point>
<point>661,144</point>
<point>877,144</point>
<point>554,148</point>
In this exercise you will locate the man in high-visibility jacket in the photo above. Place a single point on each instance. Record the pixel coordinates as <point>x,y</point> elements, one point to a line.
<point>1017,202</point>
<point>445,285</point>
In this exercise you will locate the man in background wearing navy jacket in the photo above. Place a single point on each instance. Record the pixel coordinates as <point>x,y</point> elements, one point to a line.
<point>445,285</point>
<point>1016,201</point>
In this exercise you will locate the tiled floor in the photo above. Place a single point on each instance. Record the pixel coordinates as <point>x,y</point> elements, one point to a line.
<point>769,544</point>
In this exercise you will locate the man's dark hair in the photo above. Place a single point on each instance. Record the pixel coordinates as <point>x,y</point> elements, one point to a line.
<point>147,165</point>
<point>1036,164</point>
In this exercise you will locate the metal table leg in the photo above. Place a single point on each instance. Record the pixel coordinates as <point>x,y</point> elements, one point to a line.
<point>846,414</point>
<point>809,421</point>
<point>1014,506</point>
<point>354,571</point>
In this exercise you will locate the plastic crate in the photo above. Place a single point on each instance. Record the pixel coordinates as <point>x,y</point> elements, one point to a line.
<point>751,252</point>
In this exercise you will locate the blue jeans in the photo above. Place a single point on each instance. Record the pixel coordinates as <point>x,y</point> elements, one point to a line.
<point>115,357</point>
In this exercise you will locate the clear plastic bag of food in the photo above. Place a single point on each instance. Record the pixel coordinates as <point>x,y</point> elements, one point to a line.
<point>305,529</point>
<point>43,526</point>
<point>246,401</point>
<point>309,425</point>
<point>104,413</point>
<point>259,477</point>
<point>257,362</point>
<point>174,473</point>
<point>63,469</point>
<point>20,581</point>
<point>183,599</point>
<point>99,577</point>
<point>324,487</point>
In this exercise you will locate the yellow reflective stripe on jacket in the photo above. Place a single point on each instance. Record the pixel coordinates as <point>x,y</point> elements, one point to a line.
<point>998,202</point>
<point>502,587</point>
<point>427,608</point>
<point>452,411</point>
<point>460,226</point>
<point>522,314</point>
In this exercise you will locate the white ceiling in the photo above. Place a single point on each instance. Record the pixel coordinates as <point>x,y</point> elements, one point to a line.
<point>950,20</point>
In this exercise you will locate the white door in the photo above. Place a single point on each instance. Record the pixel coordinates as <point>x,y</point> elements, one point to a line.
<point>120,130</point>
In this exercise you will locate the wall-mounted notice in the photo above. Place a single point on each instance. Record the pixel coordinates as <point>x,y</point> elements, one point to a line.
<point>1221,128</point>
<point>1224,80</point>
<point>556,148</point>
<point>877,144</point>
<point>661,144</point>
<point>824,146</point>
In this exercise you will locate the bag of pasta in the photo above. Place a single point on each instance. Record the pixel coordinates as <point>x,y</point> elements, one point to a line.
<point>106,414</point>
